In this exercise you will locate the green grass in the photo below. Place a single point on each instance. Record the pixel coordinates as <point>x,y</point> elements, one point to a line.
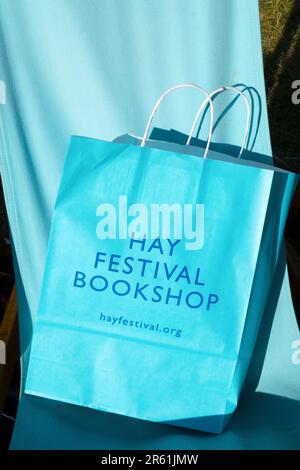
<point>280,26</point>
<point>273,16</point>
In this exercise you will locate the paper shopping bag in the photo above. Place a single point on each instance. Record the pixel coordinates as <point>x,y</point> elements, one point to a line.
<point>147,307</point>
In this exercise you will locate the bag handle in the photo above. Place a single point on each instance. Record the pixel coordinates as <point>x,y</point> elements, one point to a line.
<point>207,100</point>
<point>216,92</point>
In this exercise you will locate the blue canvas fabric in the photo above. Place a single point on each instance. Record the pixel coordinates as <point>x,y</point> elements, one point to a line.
<point>66,73</point>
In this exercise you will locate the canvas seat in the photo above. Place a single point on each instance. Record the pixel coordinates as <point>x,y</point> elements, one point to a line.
<point>95,68</point>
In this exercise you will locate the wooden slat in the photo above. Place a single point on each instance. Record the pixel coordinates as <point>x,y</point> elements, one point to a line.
<point>9,334</point>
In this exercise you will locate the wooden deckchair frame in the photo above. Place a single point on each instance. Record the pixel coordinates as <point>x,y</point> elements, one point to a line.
<point>9,335</point>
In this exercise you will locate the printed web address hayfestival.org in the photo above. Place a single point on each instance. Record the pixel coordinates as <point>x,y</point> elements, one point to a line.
<point>116,321</point>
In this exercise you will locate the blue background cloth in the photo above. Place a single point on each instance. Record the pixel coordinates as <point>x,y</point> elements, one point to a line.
<point>95,68</point>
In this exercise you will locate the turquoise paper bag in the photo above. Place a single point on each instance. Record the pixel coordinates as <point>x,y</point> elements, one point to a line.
<point>158,269</point>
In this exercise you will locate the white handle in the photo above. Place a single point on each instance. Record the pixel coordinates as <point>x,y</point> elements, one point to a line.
<point>207,100</point>
<point>220,90</point>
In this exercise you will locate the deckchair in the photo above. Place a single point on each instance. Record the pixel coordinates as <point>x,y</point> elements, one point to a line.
<point>95,68</point>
